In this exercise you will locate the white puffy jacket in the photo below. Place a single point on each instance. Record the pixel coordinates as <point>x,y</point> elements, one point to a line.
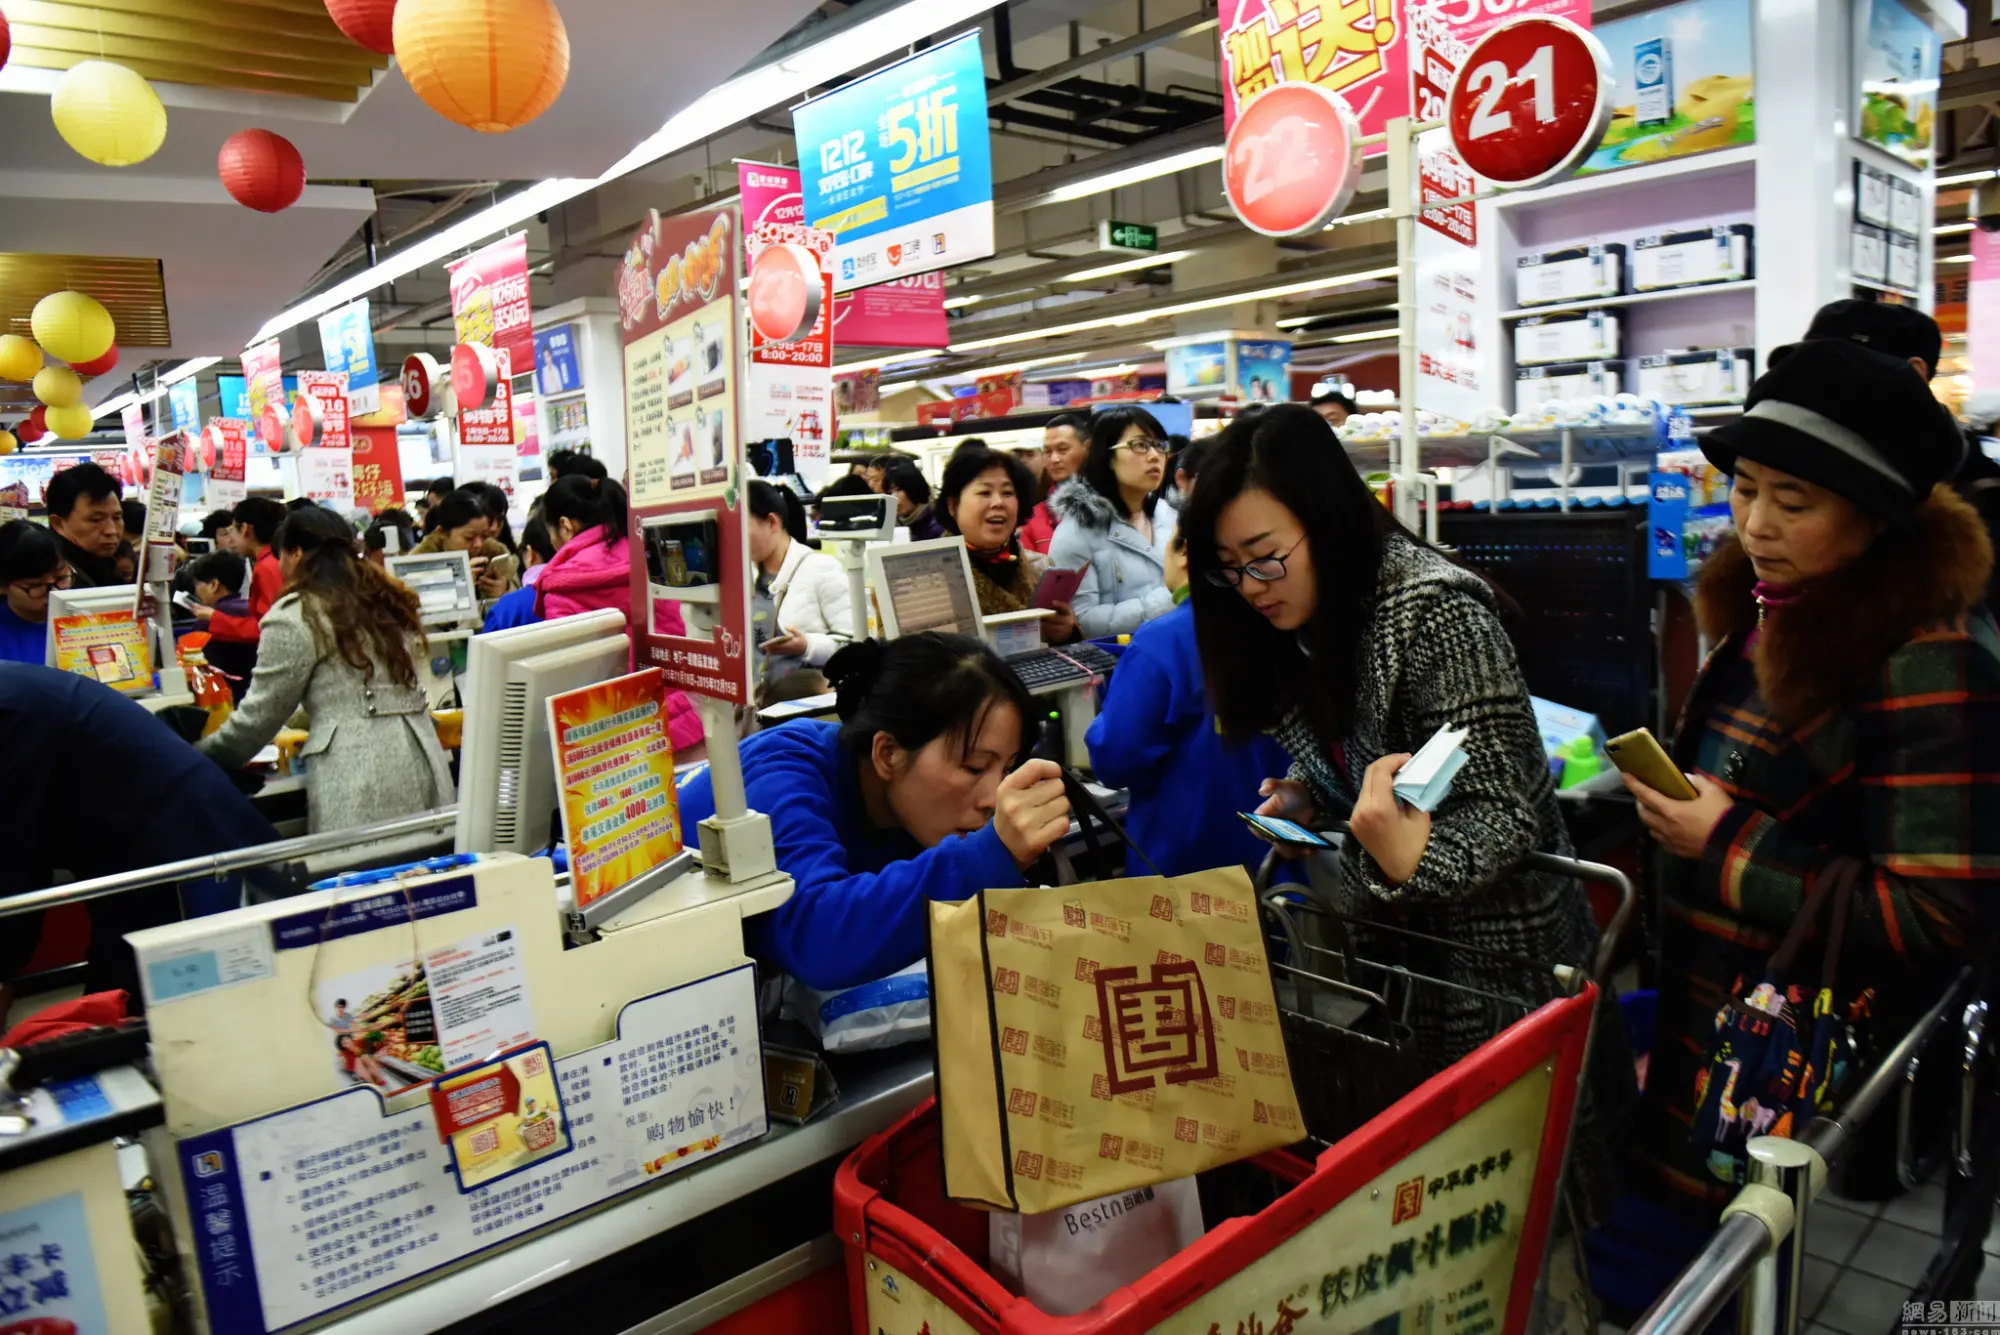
<point>810,593</point>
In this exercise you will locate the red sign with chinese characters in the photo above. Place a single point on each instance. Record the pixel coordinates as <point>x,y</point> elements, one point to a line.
<point>901,313</point>
<point>493,424</point>
<point>1293,160</point>
<point>378,469</point>
<point>1531,101</point>
<point>489,299</point>
<point>1356,48</point>
<point>329,388</point>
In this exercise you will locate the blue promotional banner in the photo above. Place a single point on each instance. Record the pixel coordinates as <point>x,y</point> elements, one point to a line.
<point>1263,370</point>
<point>556,370</point>
<point>184,398</point>
<point>347,341</point>
<point>898,166</point>
<point>235,393</point>
<point>48,1271</point>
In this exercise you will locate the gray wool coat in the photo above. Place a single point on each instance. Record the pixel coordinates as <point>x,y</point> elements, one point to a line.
<point>371,752</point>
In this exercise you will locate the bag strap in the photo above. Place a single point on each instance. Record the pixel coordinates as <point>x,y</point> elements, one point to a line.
<point>1848,872</point>
<point>1087,807</point>
<point>1836,880</point>
<point>1818,887</point>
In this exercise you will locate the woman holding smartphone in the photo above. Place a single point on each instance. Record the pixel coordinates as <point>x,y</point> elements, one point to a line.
<point>1851,709</point>
<point>981,498</point>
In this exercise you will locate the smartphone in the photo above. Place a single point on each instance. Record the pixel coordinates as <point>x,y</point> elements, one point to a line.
<point>1640,755</point>
<point>1282,831</point>
<point>1058,586</point>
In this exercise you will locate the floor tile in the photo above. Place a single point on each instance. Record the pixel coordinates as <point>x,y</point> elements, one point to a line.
<point>1895,1253</point>
<point>1989,1283</point>
<point>1862,1305</point>
<point>1922,1209</point>
<point>1818,1281</point>
<point>1869,1208</point>
<point>1833,1234</point>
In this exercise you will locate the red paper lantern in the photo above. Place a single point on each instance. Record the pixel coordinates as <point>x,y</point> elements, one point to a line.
<point>369,23</point>
<point>97,366</point>
<point>34,428</point>
<point>261,170</point>
<point>6,40</point>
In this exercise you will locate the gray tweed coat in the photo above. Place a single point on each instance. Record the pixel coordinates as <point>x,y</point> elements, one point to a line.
<point>372,753</point>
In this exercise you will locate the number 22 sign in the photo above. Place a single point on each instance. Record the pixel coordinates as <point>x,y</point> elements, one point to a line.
<point>1293,159</point>
<point>1530,102</point>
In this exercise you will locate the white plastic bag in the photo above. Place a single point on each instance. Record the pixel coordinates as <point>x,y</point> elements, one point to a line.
<point>1066,1260</point>
<point>881,1014</point>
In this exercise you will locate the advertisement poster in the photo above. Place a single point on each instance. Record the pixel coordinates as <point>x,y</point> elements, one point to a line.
<point>347,343</point>
<point>1355,48</point>
<point>556,370</point>
<point>378,469</point>
<point>1688,69</point>
<point>615,776</point>
<point>1982,300</point>
<point>1896,57</point>
<point>498,464</point>
<point>527,437</point>
<point>48,1270</point>
<point>500,1118</point>
<point>678,319</point>
<point>111,646</point>
<point>493,424</point>
<point>184,402</point>
<point>1263,370</point>
<point>1198,368</point>
<point>235,392</point>
<point>789,394</point>
<point>394,1026</point>
<point>902,173</point>
<point>681,1083</point>
<point>489,298</point>
<point>133,419</point>
<point>230,439</point>
<point>901,313</point>
<point>860,392</point>
<point>263,380</point>
<point>326,477</point>
<point>330,389</point>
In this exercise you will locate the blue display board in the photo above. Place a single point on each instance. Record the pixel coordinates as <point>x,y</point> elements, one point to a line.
<point>898,166</point>
<point>184,398</point>
<point>556,371</point>
<point>348,342</point>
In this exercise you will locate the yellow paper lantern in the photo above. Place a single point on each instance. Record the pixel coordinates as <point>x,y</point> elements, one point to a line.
<point>108,114</point>
<point>492,65</point>
<point>58,386</point>
<point>71,423</point>
<point>73,326</point>
<point>7,442</point>
<point>19,357</point>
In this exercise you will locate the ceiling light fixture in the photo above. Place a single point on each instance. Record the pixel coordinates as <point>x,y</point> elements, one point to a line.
<point>726,104</point>
<point>913,358</point>
<point>1128,266</point>
<point>1347,220</point>
<point>1951,229</point>
<point>1954,259</point>
<point>1145,171</point>
<point>953,303</point>
<point>158,391</point>
<point>1963,178</point>
<point>1367,337</point>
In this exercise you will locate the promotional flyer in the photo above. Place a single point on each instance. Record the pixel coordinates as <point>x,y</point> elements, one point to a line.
<point>230,439</point>
<point>489,298</point>
<point>502,1117</point>
<point>901,313</point>
<point>113,647</point>
<point>263,380</point>
<point>1356,48</point>
<point>48,1270</point>
<point>678,319</point>
<point>326,477</point>
<point>347,343</point>
<point>493,424</point>
<point>789,393</point>
<point>902,175</point>
<point>1689,72</point>
<point>329,388</point>
<point>615,776</point>
<point>1896,55</point>
<point>378,469</point>
<point>556,370</point>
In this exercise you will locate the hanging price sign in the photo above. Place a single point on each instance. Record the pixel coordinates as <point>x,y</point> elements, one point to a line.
<point>1293,159</point>
<point>1530,102</point>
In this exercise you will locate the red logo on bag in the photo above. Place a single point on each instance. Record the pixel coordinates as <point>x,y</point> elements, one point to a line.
<point>1100,1088</point>
<point>1163,908</point>
<point>1110,1147</point>
<point>1027,1164</point>
<point>1197,902</point>
<point>1155,1026</point>
<point>1014,1041</point>
<point>1086,970</point>
<point>1215,954</point>
<point>1092,1030</point>
<point>1188,1129</point>
<point>1409,1201</point>
<point>1260,1113</point>
<point>1227,1005</point>
<point>1021,1102</point>
<point>996,923</point>
<point>1007,980</point>
<point>1074,916</point>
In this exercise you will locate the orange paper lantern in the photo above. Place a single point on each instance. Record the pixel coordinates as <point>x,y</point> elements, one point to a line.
<point>369,23</point>
<point>490,65</point>
<point>261,170</point>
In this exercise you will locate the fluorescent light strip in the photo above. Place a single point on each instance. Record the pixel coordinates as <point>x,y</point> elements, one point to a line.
<point>1372,215</point>
<point>1145,171</point>
<point>1951,229</point>
<point>1954,259</point>
<point>1128,266</point>
<point>159,390</point>
<point>1180,308</point>
<point>953,303</point>
<point>725,105</point>
<point>1963,178</point>
<point>1162,344</point>
<point>915,357</point>
<point>1368,337</point>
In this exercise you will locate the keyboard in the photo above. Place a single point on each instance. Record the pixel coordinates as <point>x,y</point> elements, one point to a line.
<point>1074,664</point>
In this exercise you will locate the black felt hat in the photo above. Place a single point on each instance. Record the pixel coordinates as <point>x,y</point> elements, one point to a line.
<point>1902,332</point>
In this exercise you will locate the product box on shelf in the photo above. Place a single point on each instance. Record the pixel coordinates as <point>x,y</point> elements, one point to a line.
<point>1698,376</point>
<point>1574,273</point>
<point>1585,336</point>
<point>1723,253</point>
<point>1870,256</point>
<point>1653,81</point>
<point>1902,267</point>
<point>1536,385</point>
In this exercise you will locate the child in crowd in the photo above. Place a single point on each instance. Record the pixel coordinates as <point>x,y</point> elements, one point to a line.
<point>217,577</point>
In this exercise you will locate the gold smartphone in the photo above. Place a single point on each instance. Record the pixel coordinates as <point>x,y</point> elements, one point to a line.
<point>1640,755</point>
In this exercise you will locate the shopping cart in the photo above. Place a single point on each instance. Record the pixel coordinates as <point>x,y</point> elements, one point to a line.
<point>1424,1198</point>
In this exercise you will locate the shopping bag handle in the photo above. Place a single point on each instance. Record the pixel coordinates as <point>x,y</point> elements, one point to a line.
<point>1087,808</point>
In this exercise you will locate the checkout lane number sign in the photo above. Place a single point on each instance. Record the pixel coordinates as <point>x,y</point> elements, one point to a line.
<point>1530,102</point>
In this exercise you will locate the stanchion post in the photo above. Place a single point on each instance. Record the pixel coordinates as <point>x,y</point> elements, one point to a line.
<point>735,841</point>
<point>1770,1303</point>
<point>1401,138</point>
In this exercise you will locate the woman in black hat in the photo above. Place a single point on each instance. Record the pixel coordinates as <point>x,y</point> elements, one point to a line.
<point>1850,710</point>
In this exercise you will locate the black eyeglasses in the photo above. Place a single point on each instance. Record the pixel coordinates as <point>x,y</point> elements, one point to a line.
<point>1265,569</point>
<point>1143,446</point>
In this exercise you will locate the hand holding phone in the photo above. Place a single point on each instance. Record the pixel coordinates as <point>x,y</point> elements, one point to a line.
<point>1059,586</point>
<point>1284,833</point>
<point>1640,755</point>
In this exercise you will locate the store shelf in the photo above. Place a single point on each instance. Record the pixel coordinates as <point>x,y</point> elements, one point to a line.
<point>1884,287</point>
<point>1588,445</point>
<point>1702,164</point>
<point>1632,299</point>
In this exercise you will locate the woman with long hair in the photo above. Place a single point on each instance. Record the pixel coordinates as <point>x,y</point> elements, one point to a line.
<point>807,590</point>
<point>1111,520</point>
<point>347,642</point>
<point>981,497</point>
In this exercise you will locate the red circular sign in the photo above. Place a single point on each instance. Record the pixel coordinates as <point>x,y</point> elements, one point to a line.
<point>474,368</point>
<point>1531,101</point>
<point>1293,159</point>
<point>306,416</point>
<point>420,375</point>
<point>271,428</point>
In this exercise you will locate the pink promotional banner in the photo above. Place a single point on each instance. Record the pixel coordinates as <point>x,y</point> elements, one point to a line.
<point>1983,307</point>
<point>903,313</point>
<point>489,299</point>
<point>264,377</point>
<point>1356,48</point>
<point>329,389</point>
<point>788,394</point>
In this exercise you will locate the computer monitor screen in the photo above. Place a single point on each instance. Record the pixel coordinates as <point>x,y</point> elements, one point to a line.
<point>85,602</point>
<point>926,588</point>
<point>199,546</point>
<point>442,582</point>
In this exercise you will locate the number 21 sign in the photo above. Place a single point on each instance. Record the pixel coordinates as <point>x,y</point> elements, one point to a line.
<point>1530,102</point>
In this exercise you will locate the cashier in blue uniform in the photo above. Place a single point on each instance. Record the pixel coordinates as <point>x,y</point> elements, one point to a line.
<point>919,793</point>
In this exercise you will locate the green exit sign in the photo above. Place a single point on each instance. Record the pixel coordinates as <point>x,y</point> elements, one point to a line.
<point>1115,235</point>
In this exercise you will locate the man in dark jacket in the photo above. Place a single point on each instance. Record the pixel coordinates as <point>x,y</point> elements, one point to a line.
<point>157,800</point>
<point>88,521</point>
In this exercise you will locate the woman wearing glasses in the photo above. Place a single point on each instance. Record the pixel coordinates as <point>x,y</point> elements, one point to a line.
<point>30,565</point>
<point>1113,520</point>
<point>1322,622</point>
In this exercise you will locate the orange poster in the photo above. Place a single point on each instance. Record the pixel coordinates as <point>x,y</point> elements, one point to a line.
<point>615,772</point>
<point>110,646</point>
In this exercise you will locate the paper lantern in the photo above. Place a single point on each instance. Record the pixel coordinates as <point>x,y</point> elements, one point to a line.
<point>19,357</point>
<point>73,326</point>
<point>96,366</point>
<point>108,114</point>
<point>491,65</point>
<point>369,23</point>
<point>261,170</point>
<point>8,444</point>
<point>71,423</point>
<point>58,386</point>
<point>6,40</point>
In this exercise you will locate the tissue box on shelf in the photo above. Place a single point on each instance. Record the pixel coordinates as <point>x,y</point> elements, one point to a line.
<point>1536,385</point>
<point>1718,254</point>
<point>1575,273</point>
<point>1560,725</point>
<point>1700,376</point>
<point>1586,336</point>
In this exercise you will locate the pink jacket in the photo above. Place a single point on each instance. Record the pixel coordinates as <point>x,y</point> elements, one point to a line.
<point>1040,530</point>
<point>588,575</point>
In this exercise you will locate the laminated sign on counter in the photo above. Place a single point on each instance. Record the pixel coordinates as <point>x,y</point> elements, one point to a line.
<point>1089,1043</point>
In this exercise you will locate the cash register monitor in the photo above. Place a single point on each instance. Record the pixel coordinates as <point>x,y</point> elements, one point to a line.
<point>498,722</point>
<point>443,584</point>
<point>86,602</point>
<point>922,586</point>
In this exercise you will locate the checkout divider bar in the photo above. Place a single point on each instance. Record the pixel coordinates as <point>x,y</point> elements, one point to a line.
<point>435,821</point>
<point>1701,1291</point>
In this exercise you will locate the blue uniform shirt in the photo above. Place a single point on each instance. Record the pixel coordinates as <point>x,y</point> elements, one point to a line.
<point>22,641</point>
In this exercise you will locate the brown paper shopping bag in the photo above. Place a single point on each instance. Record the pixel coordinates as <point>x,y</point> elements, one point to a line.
<point>1103,1037</point>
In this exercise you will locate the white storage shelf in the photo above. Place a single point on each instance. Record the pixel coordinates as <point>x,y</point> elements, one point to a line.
<point>1588,445</point>
<point>1745,286</point>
